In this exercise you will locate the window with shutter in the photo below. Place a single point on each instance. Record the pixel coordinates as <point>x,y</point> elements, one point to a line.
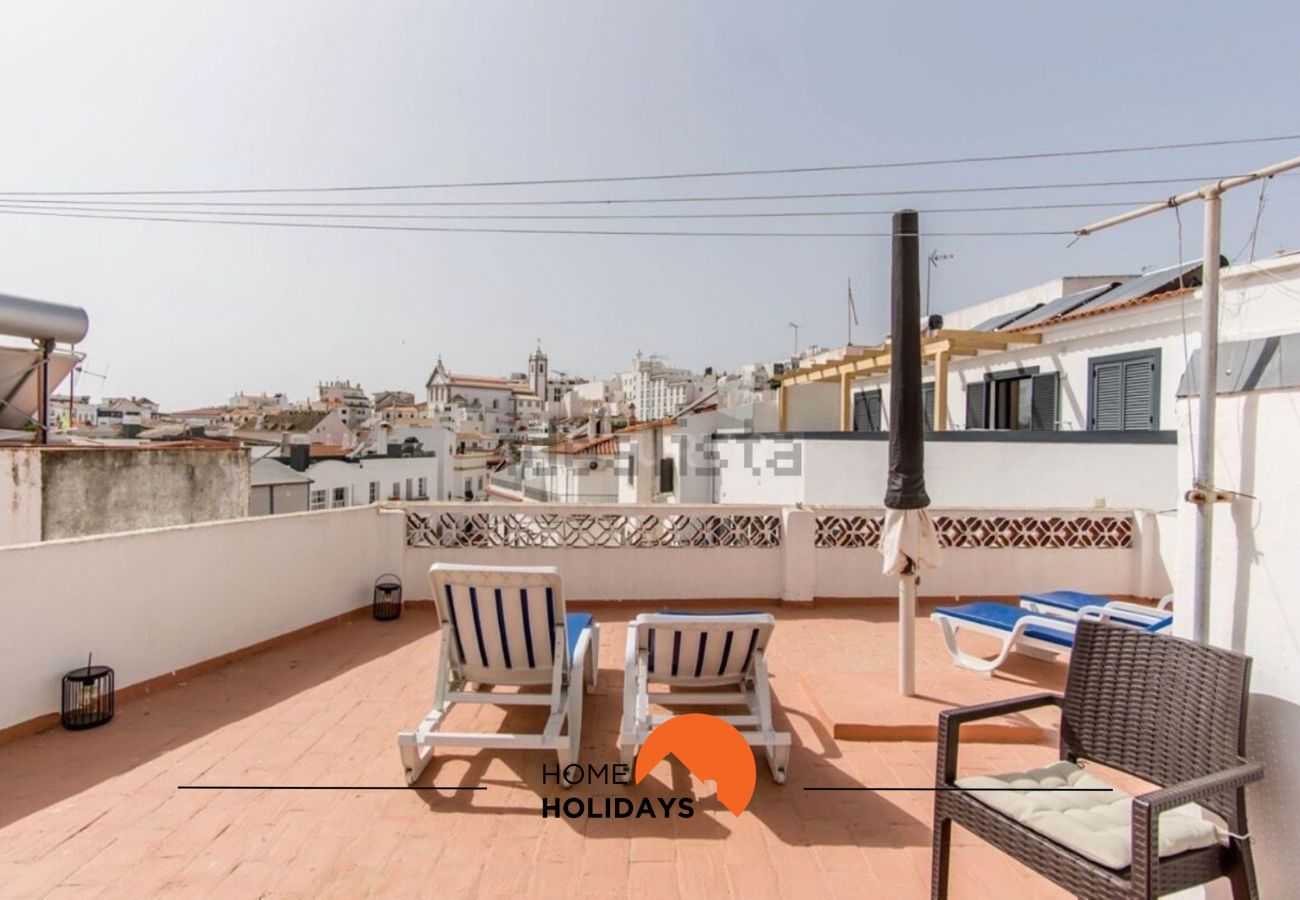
<point>666,472</point>
<point>1046,390</point>
<point>1139,412</point>
<point>1107,397</point>
<point>1124,392</point>
<point>927,404</point>
<point>867,407</point>
<point>976,397</point>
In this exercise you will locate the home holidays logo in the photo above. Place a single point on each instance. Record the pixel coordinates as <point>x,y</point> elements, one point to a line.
<point>712,749</point>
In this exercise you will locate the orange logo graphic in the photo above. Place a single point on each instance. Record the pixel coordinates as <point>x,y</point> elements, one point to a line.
<point>712,749</point>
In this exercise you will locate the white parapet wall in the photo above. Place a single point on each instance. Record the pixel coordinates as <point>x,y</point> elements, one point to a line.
<point>683,552</point>
<point>613,552</point>
<point>151,602</point>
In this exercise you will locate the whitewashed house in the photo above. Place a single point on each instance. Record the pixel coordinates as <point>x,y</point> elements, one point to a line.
<point>1031,400</point>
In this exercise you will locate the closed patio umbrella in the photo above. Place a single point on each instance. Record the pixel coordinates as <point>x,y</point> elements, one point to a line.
<point>908,542</point>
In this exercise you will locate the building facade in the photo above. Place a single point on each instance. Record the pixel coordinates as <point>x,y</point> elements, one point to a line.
<point>351,402</point>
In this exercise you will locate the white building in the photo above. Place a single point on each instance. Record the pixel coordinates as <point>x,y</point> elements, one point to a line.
<point>1080,408</point>
<point>579,471</point>
<point>125,411</point>
<point>350,400</point>
<point>752,384</point>
<point>1105,355</point>
<point>652,390</point>
<point>242,400</point>
<point>72,412</point>
<point>477,401</point>
<point>398,463</point>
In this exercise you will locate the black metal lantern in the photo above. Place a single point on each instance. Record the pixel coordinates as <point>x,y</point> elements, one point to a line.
<point>87,697</point>
<point>387,602</point>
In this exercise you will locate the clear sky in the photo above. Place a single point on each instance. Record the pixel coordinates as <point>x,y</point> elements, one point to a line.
<point>166,95</point>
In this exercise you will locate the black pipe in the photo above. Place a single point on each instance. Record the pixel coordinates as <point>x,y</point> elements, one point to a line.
<point>906,488</point>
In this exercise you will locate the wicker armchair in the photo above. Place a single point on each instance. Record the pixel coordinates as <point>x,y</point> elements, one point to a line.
<point>1169,711</point>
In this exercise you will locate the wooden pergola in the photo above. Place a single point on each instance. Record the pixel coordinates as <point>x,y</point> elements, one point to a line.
<point>937,348</point>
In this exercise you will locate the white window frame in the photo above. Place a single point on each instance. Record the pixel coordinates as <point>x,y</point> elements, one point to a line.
<point>318,499</point>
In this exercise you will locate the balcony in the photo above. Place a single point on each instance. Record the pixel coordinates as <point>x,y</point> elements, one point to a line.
<point>246,657</point>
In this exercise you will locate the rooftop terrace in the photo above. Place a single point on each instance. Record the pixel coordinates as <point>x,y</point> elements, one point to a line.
<point>245,657</point>
<point>99,813</point>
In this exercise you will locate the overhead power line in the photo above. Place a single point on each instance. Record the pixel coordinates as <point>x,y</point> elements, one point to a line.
<point>5,211</point>
<point>131,209</point>
<point>603,201</point>
<point>677,176</point>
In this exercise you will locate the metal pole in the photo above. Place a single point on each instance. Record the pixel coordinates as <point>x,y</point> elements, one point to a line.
<point>928,269</point>
<point>1204,494</point>
<point>848,314</point>
<point>43,393</point>
<point>907,634</point>
<point>1217,188</point>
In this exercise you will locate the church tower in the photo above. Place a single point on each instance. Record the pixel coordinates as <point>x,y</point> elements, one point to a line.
<point>539,373</point>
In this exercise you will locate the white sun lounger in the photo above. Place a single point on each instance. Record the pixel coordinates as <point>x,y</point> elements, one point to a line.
<point>706,650</point>
<point>1031,633</point>
<point>506,626</point>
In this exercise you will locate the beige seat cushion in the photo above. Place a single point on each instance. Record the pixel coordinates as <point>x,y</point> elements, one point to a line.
<point>1094,824</point>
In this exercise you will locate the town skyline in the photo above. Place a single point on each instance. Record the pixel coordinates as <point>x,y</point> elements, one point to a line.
<point>393,96</point>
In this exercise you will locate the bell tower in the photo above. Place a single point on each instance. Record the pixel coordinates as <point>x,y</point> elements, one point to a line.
<point>539,373</point>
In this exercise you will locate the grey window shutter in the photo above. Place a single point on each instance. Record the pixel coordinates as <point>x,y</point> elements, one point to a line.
<point>860,412</point>
<point>1108,396</point>
<point>976,397</point>
<point>866,411</point>
<point>1042,415</point>
<point>1139,395</point>
<point>927,404</point>
<point>874,407</point>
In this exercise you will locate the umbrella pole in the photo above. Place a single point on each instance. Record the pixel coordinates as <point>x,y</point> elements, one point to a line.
<point>907,632</point>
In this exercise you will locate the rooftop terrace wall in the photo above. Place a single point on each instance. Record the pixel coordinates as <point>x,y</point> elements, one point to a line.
<point>156,602</point>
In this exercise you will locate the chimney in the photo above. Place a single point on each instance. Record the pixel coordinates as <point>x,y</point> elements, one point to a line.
<point>299,455</point>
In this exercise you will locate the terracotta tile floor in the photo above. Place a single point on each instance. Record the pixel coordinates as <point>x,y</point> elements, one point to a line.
<point>98,813</point>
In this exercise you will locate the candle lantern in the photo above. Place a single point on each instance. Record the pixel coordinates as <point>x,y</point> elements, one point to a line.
<point>387,602</point>
<point>87,697</point>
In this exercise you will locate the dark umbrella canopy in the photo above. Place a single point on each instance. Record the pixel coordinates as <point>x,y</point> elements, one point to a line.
<point>906,488</point>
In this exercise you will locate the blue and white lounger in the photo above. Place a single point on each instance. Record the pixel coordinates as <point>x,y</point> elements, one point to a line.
<point>1031,633</point>
<point>1070,604</point>
<point>724,651</point>
<point>506,625</point>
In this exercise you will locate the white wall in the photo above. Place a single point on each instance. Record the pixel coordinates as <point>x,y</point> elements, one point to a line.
<point>211,589</point>
<point>1254,601</point>
<point>813,407</point>
<point>224,586</point>
<point>959,473</point>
